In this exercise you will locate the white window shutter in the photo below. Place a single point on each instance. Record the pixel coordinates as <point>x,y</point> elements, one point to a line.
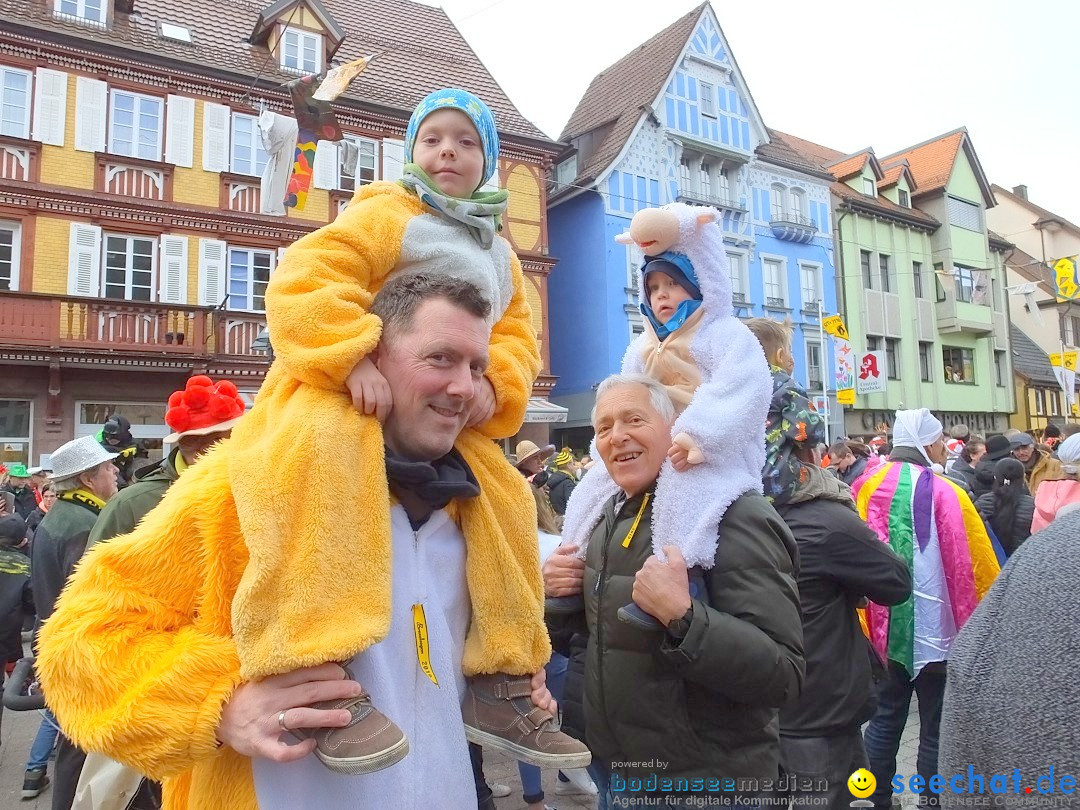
<point>91,110</point>
<point>50,107</point>
<point>324,172</point>
<point>215,142</point>
<point>212,269</point>
<point>280,256</point>
<point>393,159</point>
<point>180,131</point>
<point>84,259</point>
<point>174,269</point>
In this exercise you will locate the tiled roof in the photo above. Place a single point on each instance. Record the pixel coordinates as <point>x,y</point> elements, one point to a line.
<point>1029,361</point>
<point>1032,269</point>
<point>419,48</point>
<point>815,153</point>
<point>931,162</point>
<point>1037,209</point>
<point>823,155</point>
<point>779,151</point>
<point>892,175</point>
<point>883,205</point>
<point>618,94</point>
<point>849,166</point>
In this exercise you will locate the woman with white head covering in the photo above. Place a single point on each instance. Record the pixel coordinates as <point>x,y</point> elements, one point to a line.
<point>1056,498</point>
<point>931,523</point>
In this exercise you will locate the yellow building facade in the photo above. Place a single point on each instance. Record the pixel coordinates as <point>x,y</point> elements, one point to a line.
<point>136,235</point>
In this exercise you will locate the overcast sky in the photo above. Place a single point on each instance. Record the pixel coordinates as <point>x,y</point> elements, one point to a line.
<point>842,73</point>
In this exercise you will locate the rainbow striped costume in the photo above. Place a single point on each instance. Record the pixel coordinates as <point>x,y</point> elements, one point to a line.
<point>930,522</point>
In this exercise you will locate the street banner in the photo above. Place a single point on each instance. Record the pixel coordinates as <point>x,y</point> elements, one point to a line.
<point>845,371</point>
<point>871,379</point>
<point>1064,366</point>
<point>1065,277</point>
<point>834,325</point>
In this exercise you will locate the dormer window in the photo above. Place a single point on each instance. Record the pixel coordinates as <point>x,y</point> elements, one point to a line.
<point>869,187</point>
<point>905,201</point>
<point>301,51</point>
<point>88,10</point>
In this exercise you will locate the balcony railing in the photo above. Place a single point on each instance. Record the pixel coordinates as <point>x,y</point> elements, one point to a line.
<point>691,196</point>
<point>30,320</point>
<point>775,302</point>
<point>18,159</point>
<point>793,227</point>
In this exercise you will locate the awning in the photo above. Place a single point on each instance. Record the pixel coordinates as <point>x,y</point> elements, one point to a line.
<point>542,410</point>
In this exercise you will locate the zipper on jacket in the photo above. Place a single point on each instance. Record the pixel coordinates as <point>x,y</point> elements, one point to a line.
<point>418,674</point>
<point>599,591</point>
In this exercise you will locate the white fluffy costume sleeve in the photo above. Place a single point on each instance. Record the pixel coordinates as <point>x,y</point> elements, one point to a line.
<point>725,418</point>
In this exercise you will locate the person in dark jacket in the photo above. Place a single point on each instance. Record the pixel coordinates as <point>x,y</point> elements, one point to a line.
<point>561,481</point>
<point>19,486</point>
<point>202,430</point>
<point>997,448</point>
<point>702,695</point>
<point>48,498</point>
<point>16,594</point>
<point>1008,509</point>
<point>963,469</point>
<point>841,562</point>
<point>115,437</point>
<point>849,460</point>
<point>1016,659</point>
<point>85,479</point>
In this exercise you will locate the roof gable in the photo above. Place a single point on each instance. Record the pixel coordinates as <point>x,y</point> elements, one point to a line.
<point>894,173</point>
<point>853,198</point>
<point>1042,213</point>
<point>709,45</point>
<point>619,95</point>
<point>708,41</point>
<point>854,164</point>
<point>283,10</point>
<point>932,163</point>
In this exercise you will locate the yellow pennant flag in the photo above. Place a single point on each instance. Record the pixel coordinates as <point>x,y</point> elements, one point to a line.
<point>1065,278</point>
<point>834,325</point>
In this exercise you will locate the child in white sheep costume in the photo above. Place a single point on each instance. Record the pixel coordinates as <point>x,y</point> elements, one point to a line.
<point>721,432</point>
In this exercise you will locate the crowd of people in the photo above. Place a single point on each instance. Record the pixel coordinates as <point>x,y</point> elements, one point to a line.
<point>713,610</point>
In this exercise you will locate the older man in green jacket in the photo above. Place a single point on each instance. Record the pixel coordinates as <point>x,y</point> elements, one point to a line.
<point>689,711</point>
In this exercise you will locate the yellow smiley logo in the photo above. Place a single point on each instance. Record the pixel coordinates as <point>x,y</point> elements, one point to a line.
<point>861,783</point>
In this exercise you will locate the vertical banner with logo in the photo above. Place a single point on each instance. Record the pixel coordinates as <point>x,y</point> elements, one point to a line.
<point>1064,366</point>
<point>871,378</point>
<point>845,366</point>
<point>1065,278</point>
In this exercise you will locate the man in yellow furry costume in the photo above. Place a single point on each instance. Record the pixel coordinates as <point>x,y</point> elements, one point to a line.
<point>142,659</point>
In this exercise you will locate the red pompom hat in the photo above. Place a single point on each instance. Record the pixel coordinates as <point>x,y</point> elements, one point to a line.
<point>203,407</point>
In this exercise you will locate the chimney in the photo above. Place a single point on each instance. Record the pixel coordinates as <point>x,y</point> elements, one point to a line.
<point>1020,191</point>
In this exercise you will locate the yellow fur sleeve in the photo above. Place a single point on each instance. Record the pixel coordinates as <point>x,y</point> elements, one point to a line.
<point>515,361</point>
<point>318,298</point>
<point>138,660</point>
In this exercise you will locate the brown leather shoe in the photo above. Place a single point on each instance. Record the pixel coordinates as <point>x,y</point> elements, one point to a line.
<point>369,743</point>
<point>499,714</point>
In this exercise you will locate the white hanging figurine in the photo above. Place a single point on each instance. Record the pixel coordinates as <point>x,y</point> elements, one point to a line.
<point>716,373</point>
